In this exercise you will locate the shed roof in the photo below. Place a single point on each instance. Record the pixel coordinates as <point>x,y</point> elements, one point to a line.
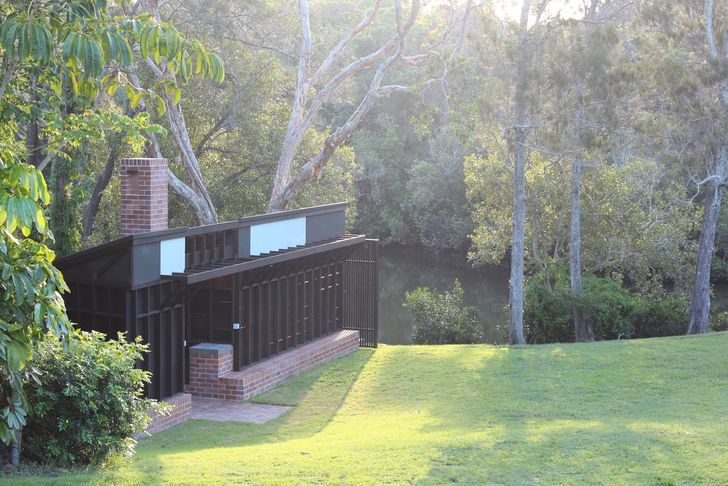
<point>197,254</point>
<point>202,273</point>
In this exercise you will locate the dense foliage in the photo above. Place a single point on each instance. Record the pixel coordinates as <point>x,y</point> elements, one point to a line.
<point>442,317</point>
<point>87,402</point>
<point>634,221</point>
<point>30,300</point>
<point>61,64</point>
<point>614,312</point>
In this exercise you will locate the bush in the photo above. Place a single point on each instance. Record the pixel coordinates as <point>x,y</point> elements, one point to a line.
<point>719,322</point>
<point>607,305</point>
<point>547,314</point>
<point>88,401</point>
<point>614,312</point>
<point>442,318</point>
<point>667,316</point>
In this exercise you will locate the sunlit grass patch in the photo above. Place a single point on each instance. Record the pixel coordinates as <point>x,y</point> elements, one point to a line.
<point>632,412</point>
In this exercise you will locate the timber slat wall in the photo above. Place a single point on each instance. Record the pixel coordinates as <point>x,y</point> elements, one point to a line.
<point>361,292</point>
<point>285,305</point>
<point>155,312</point>
<point>160,321</point>
<point>277,307</point>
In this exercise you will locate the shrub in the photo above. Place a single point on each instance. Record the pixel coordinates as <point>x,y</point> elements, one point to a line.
<point>442,318</point>
<point>547,314</point>
<point>88,401</point>
<point>613,311</point>
<point>667,316</point>
<point>607,305</point>
<point>719,322</point>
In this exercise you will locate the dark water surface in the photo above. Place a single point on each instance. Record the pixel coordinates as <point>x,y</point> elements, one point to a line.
<point>402,269</point>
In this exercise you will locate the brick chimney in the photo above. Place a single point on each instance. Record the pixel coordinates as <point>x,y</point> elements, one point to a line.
<point>143,195</point>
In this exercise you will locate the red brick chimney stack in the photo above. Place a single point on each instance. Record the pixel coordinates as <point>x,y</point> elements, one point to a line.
<point>143,195</point>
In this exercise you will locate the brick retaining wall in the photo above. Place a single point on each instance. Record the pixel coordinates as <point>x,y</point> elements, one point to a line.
<point>211,365</point>
<point>181,412</point>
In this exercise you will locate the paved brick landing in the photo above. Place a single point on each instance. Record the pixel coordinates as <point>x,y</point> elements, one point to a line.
<point>234,411</point>
<point>210,365</point>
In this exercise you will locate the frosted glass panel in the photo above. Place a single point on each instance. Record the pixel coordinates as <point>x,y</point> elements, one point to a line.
<point>172,256</point>
<point>277,235</point>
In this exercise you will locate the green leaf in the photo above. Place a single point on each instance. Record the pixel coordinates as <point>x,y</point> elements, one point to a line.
<point>161,107</point>
<point>38,313</point>
<point>176,95</point>
<point>17,353</point>
<point>40,221</point>
<point>74,82</point>
<point>112,88</point>
<point>218,68</point>
<point>144,42</point>
<point>186,66</point>
<point>7,36</point>
<point>23,41</point>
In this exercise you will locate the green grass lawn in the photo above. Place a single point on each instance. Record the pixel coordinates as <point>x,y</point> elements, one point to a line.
<point>624,412</point>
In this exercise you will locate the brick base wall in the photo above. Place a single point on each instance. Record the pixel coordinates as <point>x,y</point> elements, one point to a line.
<point>208,362</point>
<point>205,381</point>
<point>181,412</point>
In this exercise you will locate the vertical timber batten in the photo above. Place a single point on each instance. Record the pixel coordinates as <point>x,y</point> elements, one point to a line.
<point>361,292</point>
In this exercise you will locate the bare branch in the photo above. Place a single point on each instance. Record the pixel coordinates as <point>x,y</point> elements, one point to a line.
<point>313,167</point>
<point>356,66</point>
<point>709,30</point>
<point>49,156</point>
<point>334,53</point>
<point>9,72</point>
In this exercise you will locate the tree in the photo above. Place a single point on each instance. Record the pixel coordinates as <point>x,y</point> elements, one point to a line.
<point>169,74</point>
<point>715,180</point>
<point>691,93</point>
<point>305,110</point>
<point>582,327</point>
<point>519,152</point>
<point>66,49</point>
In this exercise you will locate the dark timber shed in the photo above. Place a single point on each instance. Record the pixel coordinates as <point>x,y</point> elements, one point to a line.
<point>264,284</point>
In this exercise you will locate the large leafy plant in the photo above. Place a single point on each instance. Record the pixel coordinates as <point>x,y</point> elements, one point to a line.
<point>87,404</point>
<point>64,53</point>
<point>30,304</point>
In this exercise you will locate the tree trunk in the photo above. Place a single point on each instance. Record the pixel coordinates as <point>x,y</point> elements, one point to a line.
<point>204,208</point>
<point>700,302</point>
<point>92,208</point>
<point>304,112</point>
<point>515,328</point>
<point>15,448</point>
<point>278,200</point>
<point>582,327</point>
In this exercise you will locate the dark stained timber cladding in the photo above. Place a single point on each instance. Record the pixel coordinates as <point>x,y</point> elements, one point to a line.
<point>361,293</point>
<point>160,321</point>
<point>288,304</point>
<point>326,226</point>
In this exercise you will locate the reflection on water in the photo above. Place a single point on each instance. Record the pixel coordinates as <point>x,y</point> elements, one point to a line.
<point>403,269</point>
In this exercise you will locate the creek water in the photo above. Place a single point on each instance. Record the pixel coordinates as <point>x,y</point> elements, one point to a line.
<point>402,269</point>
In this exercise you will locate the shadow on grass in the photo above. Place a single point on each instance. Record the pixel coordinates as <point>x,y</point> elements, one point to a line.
<point>316,396</point>
<point>559,413</point>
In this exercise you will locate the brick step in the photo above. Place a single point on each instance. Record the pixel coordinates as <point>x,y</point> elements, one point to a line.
<point>211,374</point>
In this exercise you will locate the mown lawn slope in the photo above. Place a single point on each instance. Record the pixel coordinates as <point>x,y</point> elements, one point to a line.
<point>631,412</point>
